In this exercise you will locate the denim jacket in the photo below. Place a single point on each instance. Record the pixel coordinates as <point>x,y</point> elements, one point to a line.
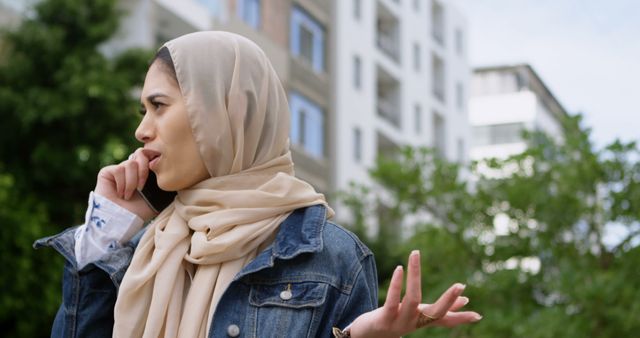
<point>314,276</point>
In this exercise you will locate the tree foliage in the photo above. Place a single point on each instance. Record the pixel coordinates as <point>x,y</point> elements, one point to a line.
<point>66,110</point>
<point>530,234</point>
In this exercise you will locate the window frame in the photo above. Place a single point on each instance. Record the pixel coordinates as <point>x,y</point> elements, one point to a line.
<point>301,18</point>
<point>306,116</point>
<point>241,11</point>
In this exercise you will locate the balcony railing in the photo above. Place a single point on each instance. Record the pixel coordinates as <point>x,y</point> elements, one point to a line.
<point>388,111</point>
<point>438,92</point>
<point>389,46</point>
<point>438,35</point>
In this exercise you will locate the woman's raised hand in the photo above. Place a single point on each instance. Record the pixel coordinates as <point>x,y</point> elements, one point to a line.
<point>118,183</point>
<point>396,318</point>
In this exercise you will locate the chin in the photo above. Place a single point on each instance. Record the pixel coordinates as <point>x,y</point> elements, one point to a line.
<point>166,184</point>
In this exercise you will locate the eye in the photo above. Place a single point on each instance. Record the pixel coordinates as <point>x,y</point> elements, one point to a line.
<point>157,104</point>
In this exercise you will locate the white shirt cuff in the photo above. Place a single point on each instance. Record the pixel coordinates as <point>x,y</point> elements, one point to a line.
<point>106,227</point>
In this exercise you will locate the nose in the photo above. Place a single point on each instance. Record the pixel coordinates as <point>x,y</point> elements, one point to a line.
<point>145,131</point>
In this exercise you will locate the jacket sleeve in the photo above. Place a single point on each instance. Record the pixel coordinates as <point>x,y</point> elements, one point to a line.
<point>364,296</point>
<point>88,294</point>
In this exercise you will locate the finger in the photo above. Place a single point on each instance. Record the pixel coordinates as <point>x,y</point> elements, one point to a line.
<point>446,301</point>
<point>393,294</point>
<point>459,303</point>
<point>143,167</point>
<point>413,294</point>
<point>131,178</point>
<point>452,319</point>
<point>107,172</point>
<point>118,176</point>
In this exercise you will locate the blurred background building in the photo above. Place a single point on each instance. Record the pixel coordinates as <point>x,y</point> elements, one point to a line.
<point>10,12</point>
<point>505,100</point>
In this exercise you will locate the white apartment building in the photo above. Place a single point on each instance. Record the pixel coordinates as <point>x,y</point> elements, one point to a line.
<point>401,78</point>
<point>504,101</point>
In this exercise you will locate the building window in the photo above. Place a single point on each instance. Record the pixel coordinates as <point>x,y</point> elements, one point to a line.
<point>460,98</point>
<point>498,134</point>
<point>418,118</point>
<point>357,144</point>
<point>357,9</point>
<point>437,22</point>
<point>439,134</point>
<point>249,12</point>
<point>388,98</point>
<point>416,56</point>
<point>307,125</point>
<point>438,78</point>
<point>215,7</point>
<point>357,72</point>
<point>307,39</point>
<point>521,81</point>
<point>459,42</point>
<point>388,32</point>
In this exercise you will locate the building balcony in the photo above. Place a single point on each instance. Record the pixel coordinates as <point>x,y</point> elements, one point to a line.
<point>389,46</point>
<point>438,22</point>
<point>388,97</point>
<point>388,111</point>
<point>387,32</point>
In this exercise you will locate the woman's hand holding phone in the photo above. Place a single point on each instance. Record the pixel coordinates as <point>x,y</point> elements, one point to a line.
<point>119,182</point>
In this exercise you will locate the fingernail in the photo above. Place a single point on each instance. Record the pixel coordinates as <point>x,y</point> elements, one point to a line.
<point>398,268</point>
<point>477,317</point>
<point>415,252</point>
<point>465,300</point>
<point>460,286</point>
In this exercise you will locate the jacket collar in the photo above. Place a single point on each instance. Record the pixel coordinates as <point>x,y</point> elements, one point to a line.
<point>299,233</point>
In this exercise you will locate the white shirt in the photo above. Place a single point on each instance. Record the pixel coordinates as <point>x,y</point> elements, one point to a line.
<point>107,226</point>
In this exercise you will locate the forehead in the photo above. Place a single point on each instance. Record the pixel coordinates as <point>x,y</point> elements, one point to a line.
<point>158,78</point>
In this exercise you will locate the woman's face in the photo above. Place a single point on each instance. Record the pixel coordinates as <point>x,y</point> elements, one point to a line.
<point>165,129</point>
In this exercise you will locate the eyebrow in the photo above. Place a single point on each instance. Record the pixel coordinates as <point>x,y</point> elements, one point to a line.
<point>153,97</point>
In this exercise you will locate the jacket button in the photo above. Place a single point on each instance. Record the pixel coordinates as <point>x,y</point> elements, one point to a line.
<point>233,330</point>
<point>285,295</point>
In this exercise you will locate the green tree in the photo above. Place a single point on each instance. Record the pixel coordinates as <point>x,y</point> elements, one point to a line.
<point>66,110</point>
<point>552,272</point>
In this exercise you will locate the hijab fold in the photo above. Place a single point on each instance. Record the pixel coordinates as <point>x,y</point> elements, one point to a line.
<point>194,248</point>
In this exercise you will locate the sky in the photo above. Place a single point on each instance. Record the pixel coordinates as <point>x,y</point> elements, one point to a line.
<point>586,51</point>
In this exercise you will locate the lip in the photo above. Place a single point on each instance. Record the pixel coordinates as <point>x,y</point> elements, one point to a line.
<point>153,163</point>
<point>153,156</point>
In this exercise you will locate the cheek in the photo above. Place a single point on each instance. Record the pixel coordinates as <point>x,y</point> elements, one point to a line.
<point>184,166</point>
<point>178,172</point>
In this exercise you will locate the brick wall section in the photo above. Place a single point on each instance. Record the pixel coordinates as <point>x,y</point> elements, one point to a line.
<point>275,21</point>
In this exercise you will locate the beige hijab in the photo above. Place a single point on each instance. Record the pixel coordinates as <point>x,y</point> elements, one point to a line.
<point>191,252</point>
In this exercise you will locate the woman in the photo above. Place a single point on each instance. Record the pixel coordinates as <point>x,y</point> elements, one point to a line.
<point>246,248</point>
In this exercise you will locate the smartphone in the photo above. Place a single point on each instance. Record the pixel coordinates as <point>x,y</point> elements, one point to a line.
<point>155,197</point>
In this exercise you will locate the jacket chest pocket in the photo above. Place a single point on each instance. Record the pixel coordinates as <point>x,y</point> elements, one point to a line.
<point>287,309</point>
